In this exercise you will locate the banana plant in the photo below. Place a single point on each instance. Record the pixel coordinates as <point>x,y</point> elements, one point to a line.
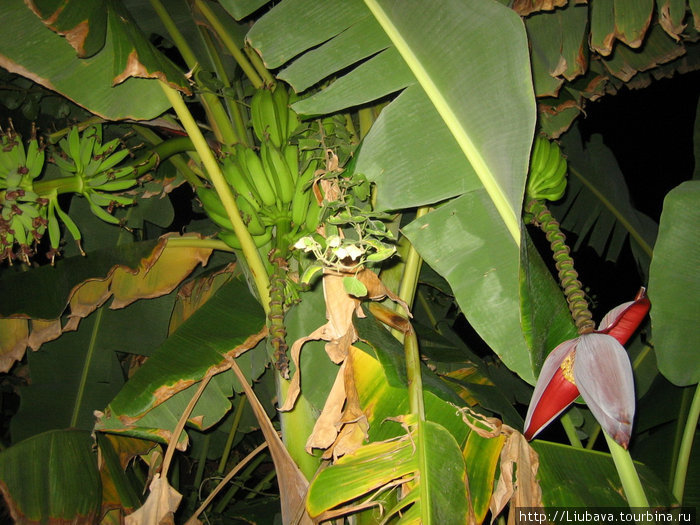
<point>326,140</point>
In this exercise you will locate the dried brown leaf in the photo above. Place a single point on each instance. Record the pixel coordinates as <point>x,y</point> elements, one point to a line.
<point>526,7</point>
<point>160,506</point>
<point>13,340</point>
<point>158,274</point>
<point>326,430</point>
<point>517,482</point>
<point>292,483</point>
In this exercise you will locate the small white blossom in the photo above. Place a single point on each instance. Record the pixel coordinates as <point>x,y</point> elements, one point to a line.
<point>305,243</point>
<point>333,241</point>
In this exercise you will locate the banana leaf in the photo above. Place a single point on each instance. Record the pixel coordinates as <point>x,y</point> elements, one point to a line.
<point>52,62</point>
<point>52,478</point>
<point>597,206</point>
<point>80,372</point>
<point>575,477</point>
<point>673,286</point>
<point>462,126</point>
<point>150,403</point>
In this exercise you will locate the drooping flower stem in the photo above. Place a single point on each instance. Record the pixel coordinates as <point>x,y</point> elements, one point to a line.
<point>568,277</point>
<point>278,330</point>
<point>628,474</point>
<point>681,468</point>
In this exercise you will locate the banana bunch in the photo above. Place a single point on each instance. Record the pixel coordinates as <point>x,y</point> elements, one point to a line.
<point>94,167</point>
<point>23,214</point>
<point>547,177</point>
<point>272,184</point>
<point>271,115</point>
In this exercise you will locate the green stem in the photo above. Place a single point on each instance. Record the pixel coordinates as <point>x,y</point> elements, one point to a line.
<point>259,66</point>
<point>593,437</point>
<point>570,430</point>
<point>411,272</point>
<point>202,460</point>
<point>691,425</point>
<point>238,412</point>
<point>568,277</point>
<point>234,108</point>
<point>219,120</point>
<point>628,474</point>
<point>176,159</point>
<point>250,251</point>
<point>413,374</point>
<point>262,485</point>
<point>245,476</point>
<point>228,42</point>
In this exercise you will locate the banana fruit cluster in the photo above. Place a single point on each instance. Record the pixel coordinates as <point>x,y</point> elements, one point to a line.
<point>23,212</point>
<point>272,183</point>
<point>88,167</point>
<point>547,177</point>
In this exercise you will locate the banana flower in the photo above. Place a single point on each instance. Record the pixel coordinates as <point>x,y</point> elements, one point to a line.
<point>596,366</point>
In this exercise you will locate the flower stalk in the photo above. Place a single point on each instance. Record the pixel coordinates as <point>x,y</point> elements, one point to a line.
<point>568,276</point>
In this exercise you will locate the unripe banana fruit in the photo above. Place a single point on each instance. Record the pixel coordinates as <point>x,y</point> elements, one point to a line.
<point>547,177</point>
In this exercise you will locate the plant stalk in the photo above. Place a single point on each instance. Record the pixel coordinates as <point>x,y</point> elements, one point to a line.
<point>250,251</point>
<point>568,277</point>
<point>631,484</point>
<point>570,430</point>
<point>691,425</point>
<point>227,40</point>
<point>219,120</point>
<point>238,412</point>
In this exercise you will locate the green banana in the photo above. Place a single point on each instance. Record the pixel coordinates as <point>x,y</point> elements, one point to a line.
<point>72,143</point>
<point>302,195</point>
<point>259,240</point>
<point>234,175</point>
<point>277,166</point>
<point>70,224</point>
<point>291,155</point>
<point>270,119</point>
<point>250,216</point>
<point>313,215</point>
<point>280,98</point>
<point>35,158</point>
<point>117,185</point>
<point>210,201</point>
<point>259,178</point>
<point>547,177</point>
<point>54,230</point>
<point>98,211</point>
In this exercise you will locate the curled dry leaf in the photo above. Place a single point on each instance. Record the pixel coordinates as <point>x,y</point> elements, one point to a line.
<point>157,275</point>
<point>160,506</point>
<point>526,7</point>
<point>342,425</point>
<point>519,463</point>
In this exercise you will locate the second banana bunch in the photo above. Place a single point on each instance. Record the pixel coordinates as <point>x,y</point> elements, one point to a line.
<point>272,184</point>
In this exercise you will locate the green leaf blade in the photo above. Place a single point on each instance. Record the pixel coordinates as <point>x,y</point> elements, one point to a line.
<point>674,291</point>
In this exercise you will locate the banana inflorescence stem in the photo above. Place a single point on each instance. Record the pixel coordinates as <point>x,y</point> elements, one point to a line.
<point>568,277</point>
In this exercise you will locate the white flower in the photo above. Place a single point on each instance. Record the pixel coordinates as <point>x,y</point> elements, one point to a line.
<point>305,243</point>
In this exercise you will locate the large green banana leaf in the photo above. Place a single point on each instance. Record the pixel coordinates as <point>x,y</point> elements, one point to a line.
<point>52,62</point>
<point>575,477</point>
<point>79,372</point>
<point>673,286</point>
<point>52,478</point>
<point>151,402</point>
<point>462,126</point>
